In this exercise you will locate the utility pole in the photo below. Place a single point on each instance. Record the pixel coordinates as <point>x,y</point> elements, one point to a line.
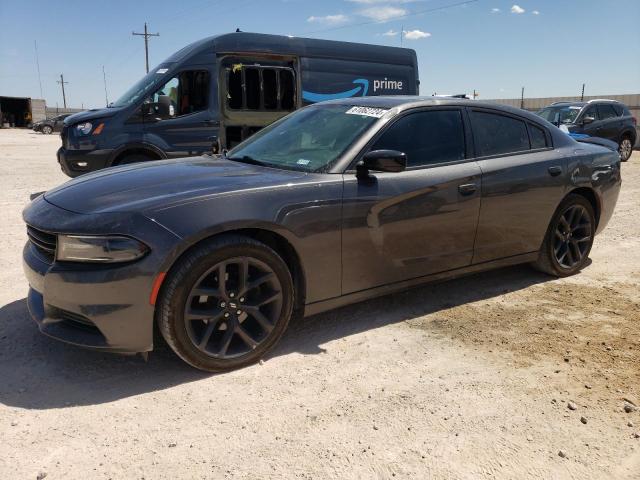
<point>522,99</point>
<point>475,94</point>
<point>401,34</point>
<point>38,65</point>
<point>104,78</point>
<point>582,96</point>
<point>146,36</point>
<point>62,82</point>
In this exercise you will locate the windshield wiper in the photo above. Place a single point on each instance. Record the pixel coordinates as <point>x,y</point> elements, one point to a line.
<point>246,159</point>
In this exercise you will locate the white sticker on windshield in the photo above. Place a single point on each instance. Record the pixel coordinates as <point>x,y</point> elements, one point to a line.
<point>367,111</point>
<point>575,108</point>
<point>303,161</point>
<point>162,70</point>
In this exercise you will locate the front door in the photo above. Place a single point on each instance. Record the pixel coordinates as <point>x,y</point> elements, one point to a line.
<point>178,119</point>
<point>398,226</point>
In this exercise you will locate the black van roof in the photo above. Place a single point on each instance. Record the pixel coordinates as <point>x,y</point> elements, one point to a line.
<point>283,45</point>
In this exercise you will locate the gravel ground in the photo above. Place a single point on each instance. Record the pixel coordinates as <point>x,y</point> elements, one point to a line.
<point>506,374</point>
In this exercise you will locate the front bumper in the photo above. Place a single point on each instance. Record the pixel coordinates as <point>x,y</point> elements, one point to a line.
<point>99,306</point>
<point>77,162</point>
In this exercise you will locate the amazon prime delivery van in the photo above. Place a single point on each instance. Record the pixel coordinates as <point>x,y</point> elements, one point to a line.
<point>216,92</point>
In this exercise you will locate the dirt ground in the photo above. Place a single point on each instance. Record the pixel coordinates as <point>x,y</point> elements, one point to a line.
<point>470,378</point>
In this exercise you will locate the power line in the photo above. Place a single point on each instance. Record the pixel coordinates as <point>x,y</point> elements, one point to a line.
<point>418,12</point>
<point>146,36</point>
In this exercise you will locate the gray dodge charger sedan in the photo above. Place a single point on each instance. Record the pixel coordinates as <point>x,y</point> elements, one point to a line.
<point>333,204</point>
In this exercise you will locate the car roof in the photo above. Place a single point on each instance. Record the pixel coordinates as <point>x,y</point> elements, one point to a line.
<point>405,102</point>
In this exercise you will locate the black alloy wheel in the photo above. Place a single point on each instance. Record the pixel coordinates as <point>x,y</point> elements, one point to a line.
<point>225,303</point>
<point>573,237</point>
<point>233,307</point>
<point>565,249</point>
<point>47,130</point>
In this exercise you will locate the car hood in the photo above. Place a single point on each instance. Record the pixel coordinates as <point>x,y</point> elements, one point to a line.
<point>151,186</point>
<point>88,115</point>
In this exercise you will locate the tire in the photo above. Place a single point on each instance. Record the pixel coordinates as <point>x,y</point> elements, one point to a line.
<point>625,148</point>
<point>567,244</point>
<point>47,130</point>
<point>128,159</point>
<point>206,323</point>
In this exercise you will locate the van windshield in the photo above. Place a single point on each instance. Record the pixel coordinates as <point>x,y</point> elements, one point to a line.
<point>142,87</point>
<point>308,140</point>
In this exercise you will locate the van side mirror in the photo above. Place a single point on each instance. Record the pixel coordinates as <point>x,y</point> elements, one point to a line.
<point>163,107</point>
<point>382,161</point>
<point>587,120</point>
<point>215,146</point>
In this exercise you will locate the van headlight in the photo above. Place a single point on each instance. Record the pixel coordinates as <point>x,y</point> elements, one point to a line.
<point>99,249</point>
<point>84,128</point>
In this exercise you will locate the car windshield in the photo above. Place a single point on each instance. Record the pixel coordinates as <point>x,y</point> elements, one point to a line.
<point>310,140</point>
<point>561,114</point>
<point>141,88</point>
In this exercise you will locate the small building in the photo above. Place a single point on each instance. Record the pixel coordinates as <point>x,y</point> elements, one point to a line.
<point>21,112</point>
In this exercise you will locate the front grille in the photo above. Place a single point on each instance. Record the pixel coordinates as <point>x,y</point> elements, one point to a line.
<point>44,242</point>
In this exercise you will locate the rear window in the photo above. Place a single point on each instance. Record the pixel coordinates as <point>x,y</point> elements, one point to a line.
<point>537,136</point>
<point>496,134</point>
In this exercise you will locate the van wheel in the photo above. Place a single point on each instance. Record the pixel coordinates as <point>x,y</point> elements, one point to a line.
<point>566,247</point>
<point>226,303</point>
<point>625,148</point>
<point>128,159</point>
<point>47,130</point>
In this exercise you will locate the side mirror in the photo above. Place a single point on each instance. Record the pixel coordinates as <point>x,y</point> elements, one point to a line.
<point>163,108</point>
<point>382,161</point>
<point>587,120</point>
<point>215,146</point>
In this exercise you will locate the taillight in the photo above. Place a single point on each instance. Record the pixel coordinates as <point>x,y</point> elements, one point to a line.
<point>634,120</point>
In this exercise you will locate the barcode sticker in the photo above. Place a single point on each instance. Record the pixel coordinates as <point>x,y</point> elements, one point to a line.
<point>367,111</point>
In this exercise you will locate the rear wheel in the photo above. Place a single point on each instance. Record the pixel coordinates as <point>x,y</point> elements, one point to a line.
<point>47,130</point>
<point>625,149</point>
<point>566,247</point>
<point>226,303</point>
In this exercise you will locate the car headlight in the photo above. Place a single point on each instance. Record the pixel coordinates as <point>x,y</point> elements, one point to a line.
<point>99,249</point>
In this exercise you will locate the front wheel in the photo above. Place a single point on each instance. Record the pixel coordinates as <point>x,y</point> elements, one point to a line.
<point>625,149</point>
<point>226,303</point>
<point>568,241</point>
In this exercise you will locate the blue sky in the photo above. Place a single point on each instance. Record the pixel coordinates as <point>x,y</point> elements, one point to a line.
<point>494,46</point>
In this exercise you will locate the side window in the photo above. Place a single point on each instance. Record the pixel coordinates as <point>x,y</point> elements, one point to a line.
<point>186,93</point>
<point>606,111</point>
<point>592,111</point>
<point>618,108</point>
<point>537,136</point>
<point>260,88</point>
<point>496,134</point>
<point>426,137</point>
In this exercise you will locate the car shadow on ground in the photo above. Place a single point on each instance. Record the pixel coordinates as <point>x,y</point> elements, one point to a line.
<point>41,373</point>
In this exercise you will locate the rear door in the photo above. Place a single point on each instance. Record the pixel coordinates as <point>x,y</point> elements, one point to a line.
<point>523,181</point>
<point>254,93</point>
<point>179,120</point>
<point>398,226</point>
<point>611,122</point>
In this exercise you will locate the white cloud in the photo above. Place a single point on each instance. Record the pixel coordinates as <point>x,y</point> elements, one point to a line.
<point>390,33</point>
<point>382,14</point>
<point>328,19</point>
<point>517,9</point>
<point>415,34</point>
<point>536,12</point>
<point>495,10</point>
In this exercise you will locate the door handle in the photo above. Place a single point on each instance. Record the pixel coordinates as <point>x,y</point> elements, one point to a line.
<point>555,171</point>
<point>211,123</point>
<point>467,189</point>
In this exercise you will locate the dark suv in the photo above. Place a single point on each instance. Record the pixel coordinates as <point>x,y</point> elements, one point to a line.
<point>597,118</point>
